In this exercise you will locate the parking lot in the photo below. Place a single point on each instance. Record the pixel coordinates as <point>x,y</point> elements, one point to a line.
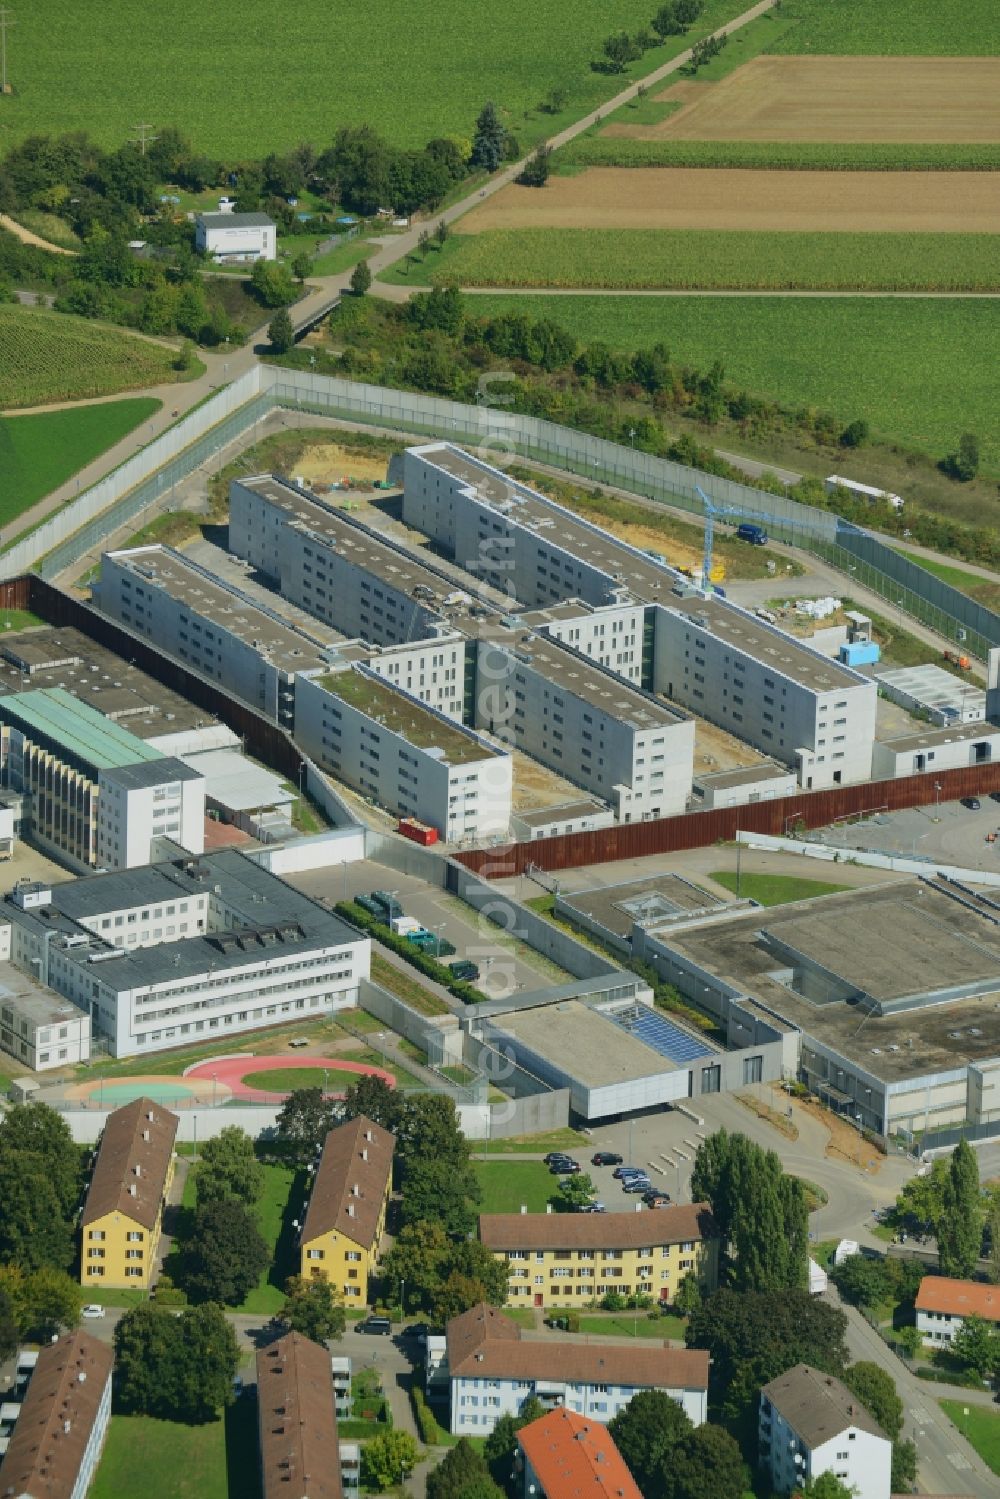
<point>507,965</point>
<point>946,834</point>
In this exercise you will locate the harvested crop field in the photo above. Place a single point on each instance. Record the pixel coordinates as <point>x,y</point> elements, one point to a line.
<point>695,198</point>
<point>898,99</point>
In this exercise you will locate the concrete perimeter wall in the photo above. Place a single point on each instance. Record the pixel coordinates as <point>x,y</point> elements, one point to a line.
<point>320,851</point>
<point>527,925</point>
<point>439,1035</point>
<point>869,858</point>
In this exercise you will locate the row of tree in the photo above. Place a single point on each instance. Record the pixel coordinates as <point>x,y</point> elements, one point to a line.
<point>949,1204</point>
<point>672,19</point>
<point>760,1213</point>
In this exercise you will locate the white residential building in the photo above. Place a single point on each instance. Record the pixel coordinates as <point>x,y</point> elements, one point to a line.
<point>491,1372</point>
<point>230,238</point>
<point>943,1304</point>
<point>810,1423</point>
<point>39,1028</point>
<point>406,756</point>
<point>186,949</point>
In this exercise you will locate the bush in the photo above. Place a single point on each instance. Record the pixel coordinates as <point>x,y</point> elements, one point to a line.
<point>428,966</point>
<point>430,1430</point>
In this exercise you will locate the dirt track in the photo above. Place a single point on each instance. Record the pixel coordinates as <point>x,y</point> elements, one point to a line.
<point>899,99</point>
<point>695,198</point>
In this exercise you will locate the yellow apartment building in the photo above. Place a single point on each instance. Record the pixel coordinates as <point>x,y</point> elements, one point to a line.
<point>345,1218</point>
<point>120,1232</point>
<point>568,1259</point>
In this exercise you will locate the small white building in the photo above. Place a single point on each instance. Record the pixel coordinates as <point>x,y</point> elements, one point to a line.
<point>942,1305</point>
<point>810,1423</point>
<point>37,1026</point>
<point>930,750</point>
<point>742,787</point>
<point>492,1371</point>
<point>233,237</point>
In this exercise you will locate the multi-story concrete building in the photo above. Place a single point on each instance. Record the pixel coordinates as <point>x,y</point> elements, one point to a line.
<point>59,1433</point>
<point>766,687</point>
<point>123,1213</point>
<point>407,756</point>
<point>597,730</point>
<point>38,1027</point>
<point>567,1259</point>
<point>811,1423</point>
<point>94,794</point>
<point>297,1423</point>
<point>184,949</point>
<point>345,1219</point>
<point>562,1453</point>
<point>492,1371</point>
<point>211,627</point>
<point>943,1304</point>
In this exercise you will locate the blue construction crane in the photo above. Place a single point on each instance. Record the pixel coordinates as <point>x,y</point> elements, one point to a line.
<point>711,511</point>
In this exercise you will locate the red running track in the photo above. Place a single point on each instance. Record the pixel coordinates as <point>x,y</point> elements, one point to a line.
<point>231,1071</point>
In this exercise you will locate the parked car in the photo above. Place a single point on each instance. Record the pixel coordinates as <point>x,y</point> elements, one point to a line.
<point>972,802</point>
<point>92,1311</point>
<point>636,1184</point>
<point>606,1158</point>
<point>464,970</point>
<point>565,1168</point>
<point>556,1155</point>
<point>655,1199</point>
<point>622,1171</point>
<point>379,1327</point>
<point>995,796</point>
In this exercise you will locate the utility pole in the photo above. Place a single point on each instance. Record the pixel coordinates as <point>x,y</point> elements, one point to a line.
<point>143,137</point>
<point>6,21</point>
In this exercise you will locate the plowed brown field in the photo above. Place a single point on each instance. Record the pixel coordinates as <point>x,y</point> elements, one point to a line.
<point>695,198</point>
<point>897,99</point>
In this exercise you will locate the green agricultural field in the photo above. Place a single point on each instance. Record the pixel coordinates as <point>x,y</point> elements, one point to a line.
<point>920,371</point>
<point>50,356</point>
<point>592,149</point>
<point>413,71</point>
<point>891,28</point>
<point>41,451</point>
<point>637,259</point>
<point>775,889</point>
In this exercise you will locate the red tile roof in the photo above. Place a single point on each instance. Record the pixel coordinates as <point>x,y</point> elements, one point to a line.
<point>574,1456</point>
<point>958,1298</point>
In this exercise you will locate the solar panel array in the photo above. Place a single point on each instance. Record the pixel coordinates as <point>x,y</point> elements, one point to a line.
<point>663,1036</point>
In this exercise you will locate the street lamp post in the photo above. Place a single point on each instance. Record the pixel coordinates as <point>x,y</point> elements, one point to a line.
<point>215,1088</point>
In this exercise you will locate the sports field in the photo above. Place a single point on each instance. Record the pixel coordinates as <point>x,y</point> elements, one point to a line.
<point>688,259</point>
<point>412,71</point>
<point>688,198</point>
<point>955,99</point>
<point>921,372</point>
<point>41,451</point>
<point>50,356</point>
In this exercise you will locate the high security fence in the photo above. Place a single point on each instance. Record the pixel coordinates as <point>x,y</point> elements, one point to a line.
<point>498,435</point>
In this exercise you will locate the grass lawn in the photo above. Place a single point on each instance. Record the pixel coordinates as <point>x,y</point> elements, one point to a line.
<point>686,259</point>
<point>625,1325</point>
<point>292,1079</point>
<point>819,351</point>
<point>169,1460</point>
<point>408,989</point>
<point>981,1427</point>
<point>51,356</point>
<point>507,1185</point>
<point>342,257</point>
<point>553,1139</point>
<point>775,889</point>
<point>404,1078</point>
<point>42,451</point>
<point>282,1198</point>
<point>413,72</point>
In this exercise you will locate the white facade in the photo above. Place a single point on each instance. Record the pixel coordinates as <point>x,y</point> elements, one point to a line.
<point>230,237</point>
<point>858,1457</point>
<point>741,788</point>
<point>162,798</point>
<point>411,760</point>
<point>478,1403</point>
<point>38,1028</point>
<point>935,750</point>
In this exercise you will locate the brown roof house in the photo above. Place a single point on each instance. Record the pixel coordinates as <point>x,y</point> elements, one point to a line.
<point>58,1436</point>
<point>345,1219</point>
<point>297,1421</point>
<point>128,1188</point>
<point>810,1423</point>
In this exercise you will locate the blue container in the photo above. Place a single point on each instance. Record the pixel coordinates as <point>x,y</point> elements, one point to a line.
<point>859,653</point>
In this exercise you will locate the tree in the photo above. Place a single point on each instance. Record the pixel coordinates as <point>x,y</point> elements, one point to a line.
<point>964,464</point>
<point>301,266</point>
<point>960,1231</point>
<point>387,1459</point>
<point>688,1297</point>
<point>175,1367</point>
<point>574,1191</point>
<point>707,1464</point>
<point>993,1224</point>
<point>361,278</point>
<point>500,1448</point>
<point>647,1432</point>
<point>910,1340</point>
<point>861,1281</point>
<point>313,1308</point>
<point>35,1129</point>
<point>826,1486</point>
<point>430,1130</point>
<point>225,1255</point>
<point>53,1301</point>
<point>855,434</point>
<point>9,1335</point>
<point>229,1166</point>
<point>280,333</point>
<point>441,1192</point>
<point>462,1474</point>
<point>272,284</point>
<point>619,50</point>
<point>876,1389</point>
<point>372,1098</point>
<point>208,1360</point>
<point>923,1197</point>
<point>977,1344</point>
<point>416,1258</point>
<point>33,1229</point>
<point>490,139</point>
<point>537,167</point>
<point>904,1467</point>
<point>760,1213</point>
<point>441,233</point>
<point>455,1295</point>
<point>667,22</point>
<point>305,1120</point>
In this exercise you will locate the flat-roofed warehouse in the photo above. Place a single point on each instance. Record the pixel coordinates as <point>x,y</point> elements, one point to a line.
<point>894,992</point>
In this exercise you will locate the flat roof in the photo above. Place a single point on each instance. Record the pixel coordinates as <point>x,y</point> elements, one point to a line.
<point>235,220</point>
<point>948,734</point>
<point>239,784</point>
<point>65,657</point>
<point>407,717</point>
<point>560,812</point>
<point>746,775</point>
<point>54,716</point>
<point>871,932</point>
<point>580,1041</point>
<point>196,589</point>
<point>572,672</point>
<point>772,647</point>
<point>34,1002</point>
<point>932,685</point>
<point>658,897</point>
